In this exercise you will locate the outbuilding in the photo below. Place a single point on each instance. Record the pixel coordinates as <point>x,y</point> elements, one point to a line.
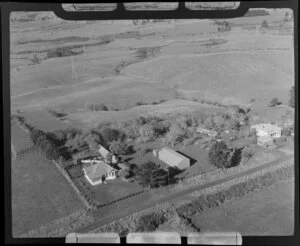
<point>172,158</point>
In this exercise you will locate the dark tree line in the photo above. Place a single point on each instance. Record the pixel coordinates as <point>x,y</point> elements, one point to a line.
<point>44,142</point>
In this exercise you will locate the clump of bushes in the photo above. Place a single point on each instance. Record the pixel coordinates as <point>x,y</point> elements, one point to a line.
<point>56,114</point>
<point>264,24</point>
<point>61,52</point>
<point>48,147</point>
<point>96,107</point>
<point>223,157</point>
<point>274,102</point>
<point>150,222</point>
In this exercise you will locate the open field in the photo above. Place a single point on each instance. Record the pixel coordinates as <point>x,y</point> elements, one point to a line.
<point>40,194</point>
<point>264,213</point>
<point>262,67</point>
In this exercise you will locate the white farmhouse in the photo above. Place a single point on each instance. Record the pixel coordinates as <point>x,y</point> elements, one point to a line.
<point>266,129</point>
<point>97,172</point>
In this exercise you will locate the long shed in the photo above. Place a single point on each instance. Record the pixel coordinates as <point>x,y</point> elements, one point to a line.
<point>173,158</point>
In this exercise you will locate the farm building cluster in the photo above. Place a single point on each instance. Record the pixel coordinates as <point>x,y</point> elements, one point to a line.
<point>101,169</point>
<point>266,133</point>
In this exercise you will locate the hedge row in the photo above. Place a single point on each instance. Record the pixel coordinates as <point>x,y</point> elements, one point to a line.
<point>233,192</point>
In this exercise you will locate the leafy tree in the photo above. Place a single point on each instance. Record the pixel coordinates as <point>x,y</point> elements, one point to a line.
<point>123,173</point>
<point>292,97</point>
<point>40,140</point>
<point>60,135</point>
<point>151,175</point>
<point>147,132</point>
<point>35,134</point>
<point>219,155</point>
<point>234,124</point>
<point>96,107</point>
<point>274,102</point>
<point>175,135</point>
<point>264,24</point>
<point>118,147</point>
<point>110,134</point>
<point>51,151</point>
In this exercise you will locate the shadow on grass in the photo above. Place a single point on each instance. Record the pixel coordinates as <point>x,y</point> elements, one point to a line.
<point>237,157</point>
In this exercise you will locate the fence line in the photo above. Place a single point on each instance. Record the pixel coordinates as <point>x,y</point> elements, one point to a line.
<point>70,181</point>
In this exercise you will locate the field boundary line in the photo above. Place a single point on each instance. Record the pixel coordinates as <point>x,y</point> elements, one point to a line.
<point>68,178</point>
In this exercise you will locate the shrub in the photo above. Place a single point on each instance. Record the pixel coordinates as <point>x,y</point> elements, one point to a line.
<point>35,59</point>
<point>150,222</point>
<point>51,151</point>
<point>274,102</point>
<point>118,147</point>
<point>35,134</point>
<point>147,132</point>
<point>61,52</point>
<point>219,155</point>
<point>96,107</point>
<point>264,24</point>
<point>110,134</point>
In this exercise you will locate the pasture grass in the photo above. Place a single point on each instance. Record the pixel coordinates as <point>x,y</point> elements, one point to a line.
<point>40,194</point>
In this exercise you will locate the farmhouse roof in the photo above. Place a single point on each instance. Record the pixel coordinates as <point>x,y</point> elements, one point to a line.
<point>97,170</point>
<point>266,127</point>
<point>103,151</point>
<point>173,156</point>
